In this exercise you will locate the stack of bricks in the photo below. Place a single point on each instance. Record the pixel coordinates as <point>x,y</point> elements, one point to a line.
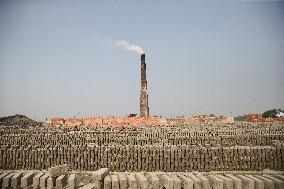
<point>109,121</point>
<point>103,179</point>
<point>57,177</point>
<point>191,135</point>
<point>145,158</point>
<point>202,147</point>
<point>137,121</point>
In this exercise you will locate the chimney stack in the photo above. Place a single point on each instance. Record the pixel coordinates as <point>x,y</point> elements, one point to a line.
<point>144,108</point>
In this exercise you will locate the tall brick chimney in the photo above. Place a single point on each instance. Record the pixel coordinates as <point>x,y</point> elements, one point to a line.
<point>144,108</point>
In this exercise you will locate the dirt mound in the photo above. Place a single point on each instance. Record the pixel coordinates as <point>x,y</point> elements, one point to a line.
<point>18,120</point>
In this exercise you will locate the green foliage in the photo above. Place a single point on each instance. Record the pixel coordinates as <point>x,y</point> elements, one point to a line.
<point>271,113</point>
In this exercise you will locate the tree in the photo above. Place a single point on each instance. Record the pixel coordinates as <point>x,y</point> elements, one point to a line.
<point>271,113</point>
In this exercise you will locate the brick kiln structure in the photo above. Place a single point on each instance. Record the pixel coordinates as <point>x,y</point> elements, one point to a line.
<point>144,108</point>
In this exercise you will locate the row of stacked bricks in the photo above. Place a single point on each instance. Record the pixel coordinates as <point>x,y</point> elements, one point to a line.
<point>129,140</point>
<point>56,177</point>
<point>60,178</point>
<point>145,158</point>
<point>43,137</point>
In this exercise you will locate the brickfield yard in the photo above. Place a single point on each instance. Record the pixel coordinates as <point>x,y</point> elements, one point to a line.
<point>211,153</point>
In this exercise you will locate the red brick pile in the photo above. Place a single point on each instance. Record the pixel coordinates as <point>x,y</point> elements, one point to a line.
<point>258,118</point>
<point>135,121</point>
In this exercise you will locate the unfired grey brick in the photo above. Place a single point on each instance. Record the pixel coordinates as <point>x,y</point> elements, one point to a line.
<point>107,182</point>
<point>43,181</point>
<point>61,182</point>
<point>100,174</point>
<point>36,180</point>
<point>279,184</point>
<point>16,179</point>
<point>2,176</point>
<point>142,181</point>
<point>51,182</point>
<point>72,181</point>
<point>27,179</point>
<point>114,182</point>
<point>237,183</point>
<point>227,182</point>
<point>58,170</point>
<point>247,183</point>
<point>259,184</point>
<point>7,180</point>
<point>122,181</point>
<point>268,183</point>
<point>166,181</point>
<point>177,181</point>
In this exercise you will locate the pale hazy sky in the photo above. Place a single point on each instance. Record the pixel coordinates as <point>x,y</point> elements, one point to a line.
<point>58,58</point>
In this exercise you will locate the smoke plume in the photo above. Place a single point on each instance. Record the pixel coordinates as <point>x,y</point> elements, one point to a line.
<point>130,47</point>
